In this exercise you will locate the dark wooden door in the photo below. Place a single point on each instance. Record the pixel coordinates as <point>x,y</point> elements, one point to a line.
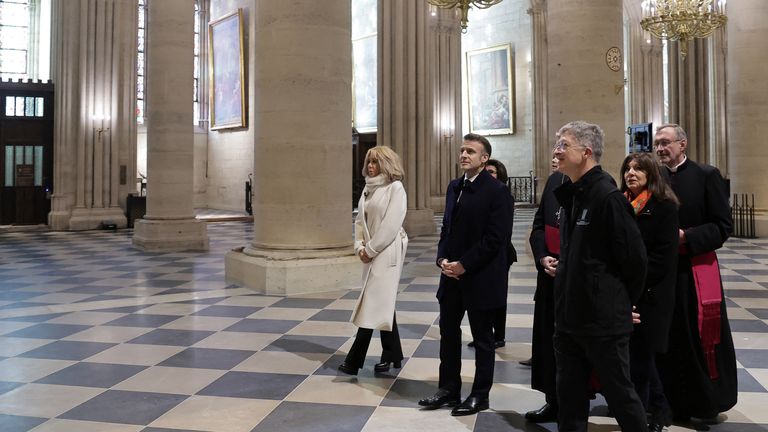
<point>26,152</point>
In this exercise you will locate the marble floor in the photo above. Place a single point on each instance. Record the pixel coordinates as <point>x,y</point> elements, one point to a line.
<point>97,336</point>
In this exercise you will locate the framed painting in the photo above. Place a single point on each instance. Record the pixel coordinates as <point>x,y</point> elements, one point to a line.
<point>227,72</point>
<point>490,90</point>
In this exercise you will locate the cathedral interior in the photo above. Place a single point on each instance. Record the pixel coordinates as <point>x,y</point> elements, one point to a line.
<point>178,180</point>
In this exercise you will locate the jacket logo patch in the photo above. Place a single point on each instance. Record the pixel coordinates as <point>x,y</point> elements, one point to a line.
<point>582,219</point>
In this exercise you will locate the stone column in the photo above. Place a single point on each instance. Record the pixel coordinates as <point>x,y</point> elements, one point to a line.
<point>747,97</point>
<point>302,236</point>
<point>443,93</point>
<point>420,101</point>
<point>94,72</point>
<point>580,32</point>
<point>169,223</point>
<point>542,146</point>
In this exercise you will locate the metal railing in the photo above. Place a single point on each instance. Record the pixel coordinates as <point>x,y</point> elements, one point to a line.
<point>523,188</point>
<point>743,215</point>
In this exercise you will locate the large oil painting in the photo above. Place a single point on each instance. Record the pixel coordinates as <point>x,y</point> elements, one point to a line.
<point>227,72</point>
<point>490,87</point>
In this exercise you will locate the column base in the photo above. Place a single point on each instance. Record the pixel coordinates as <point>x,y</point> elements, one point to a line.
<point>279,274</point>
<point>92,218</point>
<point>170,235</point>
<point>420,222</point>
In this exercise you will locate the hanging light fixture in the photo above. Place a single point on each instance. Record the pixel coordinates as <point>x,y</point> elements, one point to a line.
<point>683,20</point>
<point>463,6</point>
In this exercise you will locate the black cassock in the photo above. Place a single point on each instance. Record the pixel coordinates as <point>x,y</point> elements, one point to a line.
<point>543,353</point>
<point>705,217</point>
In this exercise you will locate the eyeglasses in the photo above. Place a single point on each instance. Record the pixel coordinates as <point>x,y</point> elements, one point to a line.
<point>563,145</point>
<point>664,143</point>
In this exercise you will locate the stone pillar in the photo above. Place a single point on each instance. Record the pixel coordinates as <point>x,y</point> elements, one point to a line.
<point>302,236</point>
<point>94,72</point>
<point>443,93</point>
<point>542,146</point>
<point>169,223</point>
<point>645,65</point>
<point>420,102</point>
<point>747,97</point>
<point>580,32</point>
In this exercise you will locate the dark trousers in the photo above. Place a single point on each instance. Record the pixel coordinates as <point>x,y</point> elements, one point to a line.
<point>392,351</point>
<point>500,323</point>
<point>452,310</point>
<point>645,376</point>
<point>609,356</point>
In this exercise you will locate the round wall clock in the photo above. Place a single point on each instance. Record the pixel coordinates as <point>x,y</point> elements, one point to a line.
<point>613,59</point>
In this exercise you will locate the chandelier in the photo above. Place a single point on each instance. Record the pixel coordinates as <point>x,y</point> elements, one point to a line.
<point>463,6</point>
<point>683,20</point>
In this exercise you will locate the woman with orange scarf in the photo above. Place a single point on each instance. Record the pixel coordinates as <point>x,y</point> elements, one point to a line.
<point>655,207</point>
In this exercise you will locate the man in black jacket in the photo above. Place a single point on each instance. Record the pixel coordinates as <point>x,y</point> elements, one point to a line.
<point>472,256</point>
<point>599,277</point>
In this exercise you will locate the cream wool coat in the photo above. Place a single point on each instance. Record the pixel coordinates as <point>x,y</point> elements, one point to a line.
<point>379,230</point>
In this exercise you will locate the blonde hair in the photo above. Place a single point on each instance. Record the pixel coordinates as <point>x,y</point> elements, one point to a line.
<point>389,162</point>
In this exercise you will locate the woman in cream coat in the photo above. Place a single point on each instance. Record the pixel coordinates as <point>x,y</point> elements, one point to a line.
<point>380,243</point>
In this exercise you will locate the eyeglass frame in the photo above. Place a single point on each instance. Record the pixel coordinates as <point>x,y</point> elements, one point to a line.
<point>664,143</point>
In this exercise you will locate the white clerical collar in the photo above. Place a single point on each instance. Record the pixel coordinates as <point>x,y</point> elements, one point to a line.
<point>674,169</point>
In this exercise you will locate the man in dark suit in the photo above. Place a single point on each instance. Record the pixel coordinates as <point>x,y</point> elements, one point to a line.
<point>472,256</point>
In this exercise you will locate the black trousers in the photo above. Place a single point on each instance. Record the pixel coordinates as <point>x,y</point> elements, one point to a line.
<point>645,376</point>
<point>500,324</point>
<point>452,310</point>
<point>609,356</point>
<point>392,351</point>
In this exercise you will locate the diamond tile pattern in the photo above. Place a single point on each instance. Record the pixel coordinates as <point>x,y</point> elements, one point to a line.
<point>98,336</point>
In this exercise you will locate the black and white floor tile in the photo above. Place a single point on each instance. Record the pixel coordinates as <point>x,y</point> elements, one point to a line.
<point>97,336</point>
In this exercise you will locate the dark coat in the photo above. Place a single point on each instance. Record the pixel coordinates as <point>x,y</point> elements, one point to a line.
<point>476,232</point>
<point>543,369</point>
<point>601,272</point>
<point>658,227</point>
<point>546,214</point>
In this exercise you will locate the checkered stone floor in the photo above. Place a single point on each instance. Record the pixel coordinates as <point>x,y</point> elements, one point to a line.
<point>97,336</point>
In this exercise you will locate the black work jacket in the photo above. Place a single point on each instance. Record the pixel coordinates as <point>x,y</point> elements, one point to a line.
<point>603,262</point>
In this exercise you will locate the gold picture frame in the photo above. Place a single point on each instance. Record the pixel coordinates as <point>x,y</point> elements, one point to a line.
<point>227,72</point>
<point>491,90</point>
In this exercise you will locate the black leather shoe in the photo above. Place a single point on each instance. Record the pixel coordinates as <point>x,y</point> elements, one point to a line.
<point>545,414</point>
<point>655,427</point>
<point>472,405</point>
<point>384,366</point>
<point>528,362</point>
<point>347,369</point>
<point>440,399</point>
<point>471,344</point>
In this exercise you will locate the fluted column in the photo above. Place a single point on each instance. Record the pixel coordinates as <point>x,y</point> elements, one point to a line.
<point>747,97</point>
<point>581,86</point>
<point>95,134</point>
<point>443,92</point>
<point>169,223</point>
<point>302,236</point>
<point>419,101</point>
<point>541,128</point>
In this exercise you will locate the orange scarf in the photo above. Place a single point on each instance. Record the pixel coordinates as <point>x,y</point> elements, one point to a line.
<point>638,202</point>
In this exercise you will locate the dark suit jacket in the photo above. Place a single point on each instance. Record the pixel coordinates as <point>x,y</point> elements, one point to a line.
<point>476,231</point>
